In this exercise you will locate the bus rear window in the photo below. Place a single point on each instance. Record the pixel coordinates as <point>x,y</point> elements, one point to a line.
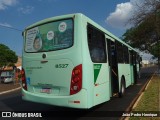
<point>50,37</point>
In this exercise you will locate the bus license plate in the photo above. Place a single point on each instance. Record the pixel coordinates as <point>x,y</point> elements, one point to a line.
<point>46,90</point>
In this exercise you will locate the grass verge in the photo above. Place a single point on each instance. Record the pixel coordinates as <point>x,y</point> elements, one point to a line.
<point>149,102</point>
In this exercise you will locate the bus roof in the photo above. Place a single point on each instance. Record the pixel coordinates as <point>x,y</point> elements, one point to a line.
<point>51,19</point>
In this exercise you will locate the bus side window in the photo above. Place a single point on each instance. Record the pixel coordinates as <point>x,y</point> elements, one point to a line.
<point>112,49</point>
<point>97,54</point>
<point>126,54</point>
<point>96,44</point>
<point>120,56</point>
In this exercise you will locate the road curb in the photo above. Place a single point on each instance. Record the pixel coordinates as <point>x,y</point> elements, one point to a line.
<point>129,109</point>
<point>12,90</point>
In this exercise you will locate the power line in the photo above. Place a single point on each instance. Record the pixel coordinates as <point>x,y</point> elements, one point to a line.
<point>11,28</point>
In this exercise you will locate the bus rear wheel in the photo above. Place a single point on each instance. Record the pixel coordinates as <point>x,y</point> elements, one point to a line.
<point>122,88</point>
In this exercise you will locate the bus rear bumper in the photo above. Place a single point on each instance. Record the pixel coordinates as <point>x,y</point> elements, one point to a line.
<point>78,100</point>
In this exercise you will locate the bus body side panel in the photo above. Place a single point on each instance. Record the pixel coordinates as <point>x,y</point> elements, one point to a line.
<point>96,75</point>
<point>132,77</point>
<point>124,69</point>
<point>101,85</point>
<point>88,78</point>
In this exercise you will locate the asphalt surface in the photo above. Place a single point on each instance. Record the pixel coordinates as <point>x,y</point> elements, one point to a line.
<point>110,110</point>
<point>8,86</point>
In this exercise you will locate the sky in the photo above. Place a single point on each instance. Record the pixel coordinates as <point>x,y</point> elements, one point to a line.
<point>18,14</point>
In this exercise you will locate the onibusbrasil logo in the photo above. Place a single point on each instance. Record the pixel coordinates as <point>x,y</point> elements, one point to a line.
<point>15,114</point>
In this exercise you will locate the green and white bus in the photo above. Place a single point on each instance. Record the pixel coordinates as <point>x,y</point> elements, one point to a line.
<point>72,61</point>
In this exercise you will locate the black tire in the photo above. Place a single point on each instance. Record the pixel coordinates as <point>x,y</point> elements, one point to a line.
<point>122,88</point>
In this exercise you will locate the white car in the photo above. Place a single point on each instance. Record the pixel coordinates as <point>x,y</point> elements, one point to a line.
<point>6,78</point>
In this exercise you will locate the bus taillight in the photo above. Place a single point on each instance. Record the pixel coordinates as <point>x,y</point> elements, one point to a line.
<point>24,84</point>
<point>76,80</point>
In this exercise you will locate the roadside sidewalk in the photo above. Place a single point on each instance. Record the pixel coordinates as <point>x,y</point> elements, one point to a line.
<point>8,87</point>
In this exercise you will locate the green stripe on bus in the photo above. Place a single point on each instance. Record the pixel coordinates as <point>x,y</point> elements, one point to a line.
<point>97,68</point>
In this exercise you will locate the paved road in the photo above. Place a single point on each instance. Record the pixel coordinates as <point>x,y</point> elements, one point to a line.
<point>115,107</point>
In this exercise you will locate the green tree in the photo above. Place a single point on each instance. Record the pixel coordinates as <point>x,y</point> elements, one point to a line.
<point>146,31</point>
<point>7,56</point>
